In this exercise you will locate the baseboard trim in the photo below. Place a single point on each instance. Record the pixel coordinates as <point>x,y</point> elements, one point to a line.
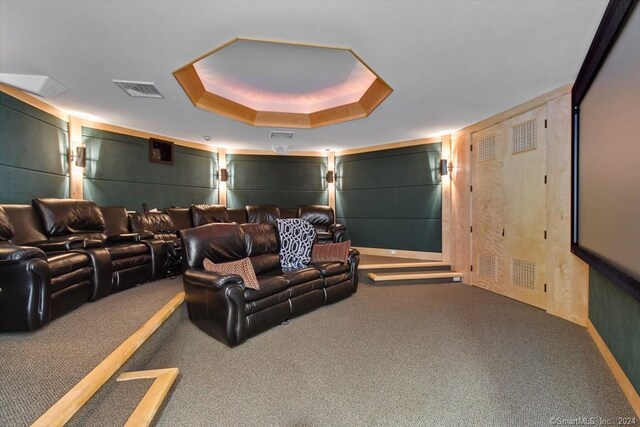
<point>627,388</point>
<point>400,253</point>
<point>70,403</point>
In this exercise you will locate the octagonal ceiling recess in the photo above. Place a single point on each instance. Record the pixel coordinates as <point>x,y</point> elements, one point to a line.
<point>266,83</point>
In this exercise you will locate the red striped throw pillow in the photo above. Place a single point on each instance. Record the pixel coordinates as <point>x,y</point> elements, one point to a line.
<point>242,268</point>
<point>330,252</point>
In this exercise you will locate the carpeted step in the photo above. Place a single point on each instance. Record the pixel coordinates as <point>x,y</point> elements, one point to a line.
<point>411,278</point>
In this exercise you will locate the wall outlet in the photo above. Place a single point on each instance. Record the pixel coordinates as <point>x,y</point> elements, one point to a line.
<point>457,279</point>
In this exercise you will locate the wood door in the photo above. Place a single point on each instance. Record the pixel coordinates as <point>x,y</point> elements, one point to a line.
<point>508,208</point>
<point>525,168</point>
<point>487,213</point>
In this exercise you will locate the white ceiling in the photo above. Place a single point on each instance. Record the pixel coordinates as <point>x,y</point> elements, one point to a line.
<point>450,63</point>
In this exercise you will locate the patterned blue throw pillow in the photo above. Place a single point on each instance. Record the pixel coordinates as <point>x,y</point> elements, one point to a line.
<point>296,238</point>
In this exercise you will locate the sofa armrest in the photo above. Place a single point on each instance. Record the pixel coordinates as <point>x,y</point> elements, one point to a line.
<point>25,287</point>
<point>90,244</point>
<point>354,261</point>
<point>212,280</point>
<point>123,238</point>
<point>215,303</point>
<point>146,235</point>
<point>12,254</point>
<point>337,232</point>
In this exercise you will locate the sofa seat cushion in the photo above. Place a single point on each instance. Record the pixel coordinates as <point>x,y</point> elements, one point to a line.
<point>266,302</point>
<point>305,287</point>
<point>330,268</point>
<point>300,275</point>
<point>66,263</point>
<point>127,251</point>
<point>130,262</point>
<point>269,285</point>
<point>81,276</point>
<point>334,280</point>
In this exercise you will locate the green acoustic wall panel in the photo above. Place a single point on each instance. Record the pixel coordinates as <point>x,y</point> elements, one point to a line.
<point>33,154</point>
<point>616,316</point>
<point>392,198</point>
<point>285,181</point>
<point>119,172</point>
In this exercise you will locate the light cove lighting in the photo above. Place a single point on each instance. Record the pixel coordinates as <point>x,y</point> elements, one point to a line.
<point>265,83</point>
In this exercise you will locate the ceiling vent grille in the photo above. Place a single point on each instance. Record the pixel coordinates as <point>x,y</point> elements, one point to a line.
<point>139,89</point>
<point>281,134</point>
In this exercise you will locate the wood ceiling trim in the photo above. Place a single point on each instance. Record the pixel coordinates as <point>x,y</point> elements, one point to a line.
<point>193,86</point>
<point>377,92</point>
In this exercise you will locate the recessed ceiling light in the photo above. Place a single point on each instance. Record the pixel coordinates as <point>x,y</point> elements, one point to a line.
<point>206,137</point>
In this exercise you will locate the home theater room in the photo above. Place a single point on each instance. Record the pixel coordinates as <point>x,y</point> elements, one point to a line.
<point>319,213</point>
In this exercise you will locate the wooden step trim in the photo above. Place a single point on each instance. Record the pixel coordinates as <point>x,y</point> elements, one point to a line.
<point>627,388</point>
<point>70,403</point>
<point>148,407</point>
<point>411,276</point>
<point>425,264</point>
<point>400,253</point>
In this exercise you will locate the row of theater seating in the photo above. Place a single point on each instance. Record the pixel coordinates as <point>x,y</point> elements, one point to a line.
<point>57,254</point>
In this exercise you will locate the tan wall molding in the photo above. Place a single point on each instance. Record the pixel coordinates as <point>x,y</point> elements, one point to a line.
<point>33,101</point>
<point>627,388</point>
<point>146,135</point>
<point>517,110</point>
<point>400,253</point>
<point>389,146</point>
<point>299,153</point>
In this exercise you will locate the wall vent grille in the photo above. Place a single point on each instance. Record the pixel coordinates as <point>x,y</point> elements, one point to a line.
<point>524,137</point>
<point>523,274</point>
<point>487,266</point>
<point>487,148</point>
<point>139,89</point>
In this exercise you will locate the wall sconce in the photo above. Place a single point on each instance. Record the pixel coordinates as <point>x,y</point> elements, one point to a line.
<point>330,177</point>
<point>445,167</point>
<point>79,156</point>
<point>224,175</point>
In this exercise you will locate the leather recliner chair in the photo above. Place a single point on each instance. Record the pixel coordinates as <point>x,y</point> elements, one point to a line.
<point>162,228</point>
<point>37,286</point>
<point>136,257</point>
<point>322,219</point>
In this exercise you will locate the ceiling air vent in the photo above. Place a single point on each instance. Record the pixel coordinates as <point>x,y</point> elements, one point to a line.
<point>281,134</point>
<point>139,89</point>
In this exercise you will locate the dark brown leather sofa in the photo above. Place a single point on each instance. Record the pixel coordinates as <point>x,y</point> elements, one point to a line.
<point>222,307</point>
<point>60,253</point>
<point>320,216</point>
